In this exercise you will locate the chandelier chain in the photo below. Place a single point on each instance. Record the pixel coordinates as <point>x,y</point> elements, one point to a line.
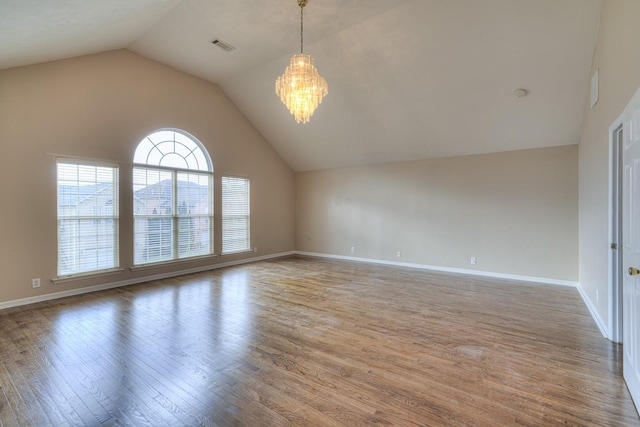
<point>301,28</point>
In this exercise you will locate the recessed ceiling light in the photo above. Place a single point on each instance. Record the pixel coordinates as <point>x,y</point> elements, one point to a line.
<point>520,93</point>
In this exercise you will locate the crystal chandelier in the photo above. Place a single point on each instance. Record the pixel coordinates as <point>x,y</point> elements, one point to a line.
<point>301,88</point>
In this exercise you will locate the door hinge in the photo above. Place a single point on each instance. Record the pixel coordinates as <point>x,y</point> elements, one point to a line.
<point>614,246</point>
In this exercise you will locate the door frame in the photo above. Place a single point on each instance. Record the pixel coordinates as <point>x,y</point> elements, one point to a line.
<point>615,229</point>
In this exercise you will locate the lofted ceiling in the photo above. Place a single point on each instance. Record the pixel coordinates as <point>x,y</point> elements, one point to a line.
<point>408,79</point>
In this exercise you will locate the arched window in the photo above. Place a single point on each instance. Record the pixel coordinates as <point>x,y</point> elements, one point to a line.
<point>172,198</point>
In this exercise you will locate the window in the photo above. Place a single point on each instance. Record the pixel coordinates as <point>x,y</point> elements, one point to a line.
<point>87,217</point>
<point>235,215</point>
<point>172,198</point>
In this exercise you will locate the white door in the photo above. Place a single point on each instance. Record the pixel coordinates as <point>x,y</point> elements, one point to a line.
<point>631,251</point>
<point>615,229</point>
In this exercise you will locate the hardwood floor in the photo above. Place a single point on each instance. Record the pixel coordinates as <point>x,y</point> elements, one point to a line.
<point>306,342</point>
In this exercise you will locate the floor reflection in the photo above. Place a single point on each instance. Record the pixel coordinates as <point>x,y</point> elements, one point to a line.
<point>172,339</point>
<point>311,342</point>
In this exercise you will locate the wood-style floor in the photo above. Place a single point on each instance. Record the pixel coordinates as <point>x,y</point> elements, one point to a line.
<point>310,342</point>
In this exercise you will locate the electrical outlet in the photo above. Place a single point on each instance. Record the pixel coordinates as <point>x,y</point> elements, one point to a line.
<point>398,254</point>
<point>35,283</point>
<point>474,260</point>
<point>353,249</point>
<point>255,250</point>
<point>597,296</point>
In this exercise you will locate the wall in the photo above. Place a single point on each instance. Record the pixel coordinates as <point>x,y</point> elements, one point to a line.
<point>99,107</point>
<point>617,57</point>
<point>517,212</point>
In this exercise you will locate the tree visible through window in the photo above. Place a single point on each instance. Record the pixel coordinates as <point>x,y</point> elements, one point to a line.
<point>172,198</point>
<point>87,217</point>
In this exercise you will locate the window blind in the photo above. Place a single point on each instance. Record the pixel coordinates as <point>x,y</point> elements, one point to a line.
<point>172,214</point>
<point>235,214</point>
<point>88,217</point>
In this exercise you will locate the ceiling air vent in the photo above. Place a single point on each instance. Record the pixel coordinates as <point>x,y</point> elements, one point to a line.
<point>223,45</point>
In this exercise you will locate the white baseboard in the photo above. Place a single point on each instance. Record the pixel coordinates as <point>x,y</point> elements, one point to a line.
<point>40,298</point>
<point>79,291</point>
<point>594,313</point>
<point>516,277</point>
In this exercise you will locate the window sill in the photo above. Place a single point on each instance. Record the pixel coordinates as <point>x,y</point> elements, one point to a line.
<point>81,276</point>
<point>171,262</point>
<point>243,251</point>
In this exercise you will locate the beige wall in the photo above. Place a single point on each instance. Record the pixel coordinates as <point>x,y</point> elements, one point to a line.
<point>506,209</point>
<point>617,57</point>
<point>517,212</point>
<point>99,107</point>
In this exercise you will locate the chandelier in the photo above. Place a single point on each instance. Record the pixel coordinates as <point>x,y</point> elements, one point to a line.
<point>301,88</point>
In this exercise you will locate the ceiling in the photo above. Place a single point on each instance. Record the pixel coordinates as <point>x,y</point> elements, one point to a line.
<point>408,79</point>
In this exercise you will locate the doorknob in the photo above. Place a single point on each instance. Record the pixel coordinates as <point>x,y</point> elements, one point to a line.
<point>633,271</point>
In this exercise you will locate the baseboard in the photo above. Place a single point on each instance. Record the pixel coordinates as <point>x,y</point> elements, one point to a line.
<point>515,277</point>
<point>80,291</point>
<point>594,313</point>
<point>31,300</point>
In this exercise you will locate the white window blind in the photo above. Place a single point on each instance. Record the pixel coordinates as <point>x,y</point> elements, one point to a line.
<point>172,215</point>
<point>235,214</point>
<point>173,201</point>
<point>88,217</point>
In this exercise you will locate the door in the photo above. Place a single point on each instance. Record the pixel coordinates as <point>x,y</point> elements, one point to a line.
<point>615,231</point>
<point>631,251</point>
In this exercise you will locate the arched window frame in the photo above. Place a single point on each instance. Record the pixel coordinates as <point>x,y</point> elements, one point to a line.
<point>172,198</point>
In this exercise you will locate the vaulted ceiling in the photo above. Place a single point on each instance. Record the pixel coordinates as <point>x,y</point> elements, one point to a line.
<point>408,79</point>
